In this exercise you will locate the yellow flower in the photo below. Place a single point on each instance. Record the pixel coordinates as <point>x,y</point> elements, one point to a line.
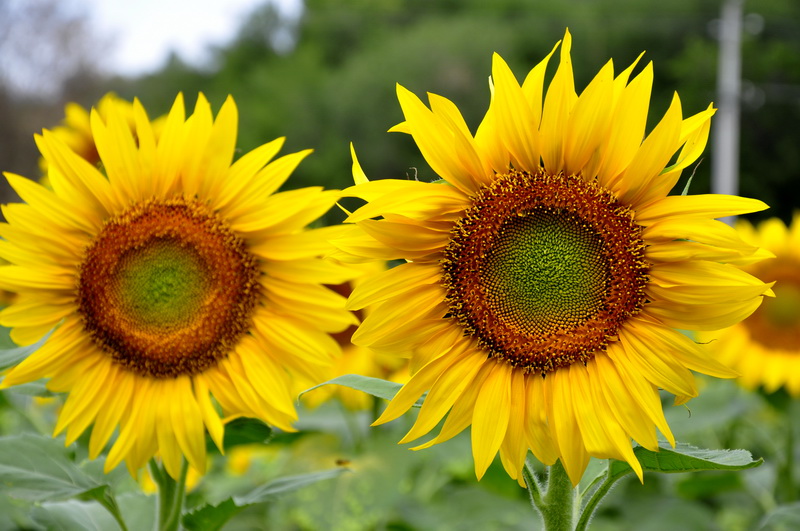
<point>76,132</point>
<point>545,277</point>
<point>358,360</point>
<point>176,276</point>
<point>765,347</point>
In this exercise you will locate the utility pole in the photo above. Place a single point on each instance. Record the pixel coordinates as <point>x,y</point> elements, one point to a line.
<point>725,146</point>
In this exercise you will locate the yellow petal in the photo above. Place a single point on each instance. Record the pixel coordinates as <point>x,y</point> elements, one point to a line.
<point>443,394</point>
<point>558,104</point>
<point>589,121</point>
<point>490,418</point>
<point>517,124</point>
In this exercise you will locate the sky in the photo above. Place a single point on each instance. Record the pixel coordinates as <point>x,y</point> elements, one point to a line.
<point>143,32</point>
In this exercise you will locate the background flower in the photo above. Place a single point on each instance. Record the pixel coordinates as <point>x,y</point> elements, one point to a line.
<point>765,347</point>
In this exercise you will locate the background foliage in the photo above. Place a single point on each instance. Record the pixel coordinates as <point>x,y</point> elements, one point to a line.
<point>328,77</point>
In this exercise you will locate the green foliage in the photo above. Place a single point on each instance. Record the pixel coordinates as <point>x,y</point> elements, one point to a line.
<point>372,386</point>
<point>327,78</point>
<point>12,356</point>
<point>686,458</point>
<point>212,517</point>
<point>242,431</point>
<point>39,468</point>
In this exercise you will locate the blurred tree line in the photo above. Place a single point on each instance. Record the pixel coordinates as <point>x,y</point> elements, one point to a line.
<point>327,77</point>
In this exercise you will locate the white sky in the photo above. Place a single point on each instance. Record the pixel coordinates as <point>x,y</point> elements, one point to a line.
<point>143,32</point>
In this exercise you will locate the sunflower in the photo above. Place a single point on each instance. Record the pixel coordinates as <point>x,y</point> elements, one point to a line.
<point>75,129</point>
<point>547,271</point>
<point>174,277</point>
<point>765,347</point>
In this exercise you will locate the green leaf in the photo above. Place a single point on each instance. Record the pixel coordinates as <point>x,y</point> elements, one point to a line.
<point>243,431</point>
<point>38,468</point>
<point>212,517</point>
<point>689,182</point>
<point>686,458</point>
<point>12,356</point>
<point>698,486</point>
<point>273,489</point>
<point>73,515</point>
<point>372,386</point>
<point>782,518</point>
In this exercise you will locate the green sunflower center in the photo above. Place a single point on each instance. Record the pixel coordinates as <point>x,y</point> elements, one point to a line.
<point>163,284</point>
<point>543,270</point>
<point>776,323</point>
<point>167,289</point>
<point>546,272</point>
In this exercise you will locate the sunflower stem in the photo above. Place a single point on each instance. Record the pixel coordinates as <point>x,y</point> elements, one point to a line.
<point>110,504</point>
<point>171,495</point>
<point>598,492</point>
<point>558,503</point>
<point>534,487</point>
<point>784,486</point>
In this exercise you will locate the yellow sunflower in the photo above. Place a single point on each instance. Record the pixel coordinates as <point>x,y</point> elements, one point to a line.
<point>175,276</point>
<point>546,275</point>
<point>76,130</point>
<point>765,347</point>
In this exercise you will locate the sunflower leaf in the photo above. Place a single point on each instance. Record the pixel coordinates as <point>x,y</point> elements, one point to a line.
<point>38,468</point>
<point>782,517</point>
<point>12,356</point>
<point>686,458</point>
<point>213,517</point>
<point>273,489</point>
<point>73,514</point>
<point>372,386</point>
<point>243,431</point>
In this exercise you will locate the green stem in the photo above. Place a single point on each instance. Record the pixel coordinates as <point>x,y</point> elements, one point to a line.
<point>558,503</point>
<point>784,487</point>
<point>534,487</point>
<point>597,496</point>
<point>171,495</point>
<point>110,503</point>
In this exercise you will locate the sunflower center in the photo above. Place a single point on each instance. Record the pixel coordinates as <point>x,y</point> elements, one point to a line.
<point>776,323</point>
<point>166,288</point>
<point>162,285</point>
<point>543,270</point>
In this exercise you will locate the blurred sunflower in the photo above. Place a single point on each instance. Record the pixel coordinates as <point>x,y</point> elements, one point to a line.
<point>358,360</point>
<point>545,277</point>
<point>173,276</point>
<point>765,347</point>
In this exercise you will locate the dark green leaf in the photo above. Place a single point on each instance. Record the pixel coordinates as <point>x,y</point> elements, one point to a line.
<point>38,468</point>
<point>698,486</point>
<point>372,386</point>
<point>244,431</point>
<point>12,356</point>
<point>686,458</point>
<point>211,517</point>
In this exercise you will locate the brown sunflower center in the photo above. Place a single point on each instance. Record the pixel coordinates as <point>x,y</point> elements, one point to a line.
<point>167,289</point>
<point>776,323</point>
<point>543,270</point>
